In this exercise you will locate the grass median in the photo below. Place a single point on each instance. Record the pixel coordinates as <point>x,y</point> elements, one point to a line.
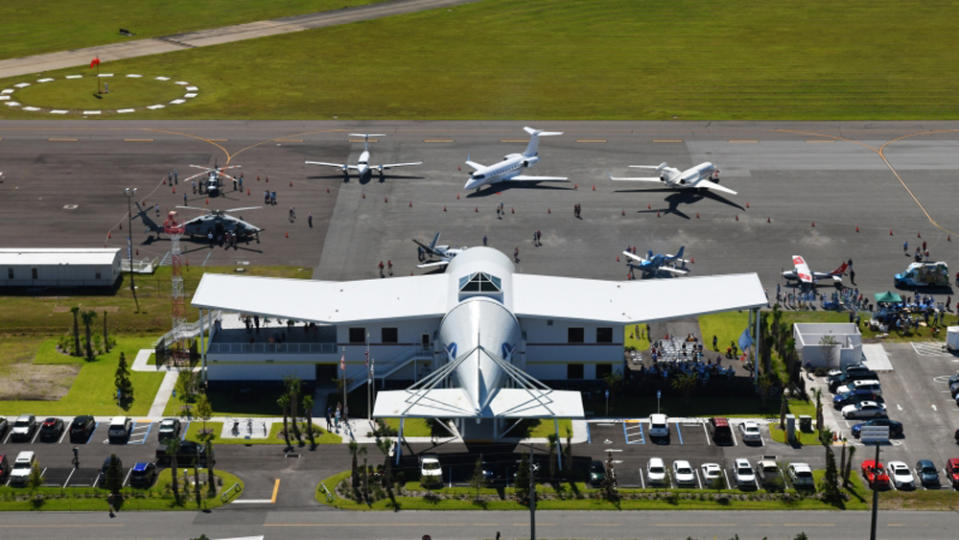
<point>275,435</point>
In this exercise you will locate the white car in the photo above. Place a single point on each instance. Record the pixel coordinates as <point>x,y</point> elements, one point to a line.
<point>800,474</point>
<point>712,473</point>
<point>22,467</point>
<point>656,472</point>
<point>900,475</point>
<point>864,409</point>
<point>683,473</point>
<point>871,385</point>
<point>743,472</point>
<point>658,426</point>
<point>749,431</point>
<point>430,470</point>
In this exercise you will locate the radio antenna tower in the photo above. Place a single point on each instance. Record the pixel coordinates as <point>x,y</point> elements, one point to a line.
<point>181,345</point>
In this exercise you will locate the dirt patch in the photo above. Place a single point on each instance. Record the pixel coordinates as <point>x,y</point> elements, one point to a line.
<point>37,382</point>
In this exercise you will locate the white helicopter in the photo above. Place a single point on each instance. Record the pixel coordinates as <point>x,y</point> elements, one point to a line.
<point>702,176</point>
<point>363,168</point>
<point>212,185</point>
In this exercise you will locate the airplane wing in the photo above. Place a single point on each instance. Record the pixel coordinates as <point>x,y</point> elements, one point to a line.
<point>673,270</point>
<point>801,269</point>
<point>714,186</point>
<point>337,165</point>
<point>391,165</point>
<point>527,178</point>
<point>636,258</point>
<point>475,165</point>
<point>433,264</point>
<point>656,179</point>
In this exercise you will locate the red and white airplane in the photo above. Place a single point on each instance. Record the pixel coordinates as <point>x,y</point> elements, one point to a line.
<point>804,276</point>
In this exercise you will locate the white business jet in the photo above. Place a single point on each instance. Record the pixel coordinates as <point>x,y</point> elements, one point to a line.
<point>702,176</point>
<point>512,165</point>
<point>363,168</point>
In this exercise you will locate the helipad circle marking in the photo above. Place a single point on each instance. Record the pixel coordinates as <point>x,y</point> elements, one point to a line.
<point>6,96</point>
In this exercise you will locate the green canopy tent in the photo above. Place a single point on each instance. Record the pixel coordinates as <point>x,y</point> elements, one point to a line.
<point>888,297</point>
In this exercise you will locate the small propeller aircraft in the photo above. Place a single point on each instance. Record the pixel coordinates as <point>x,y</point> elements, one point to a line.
<point>702,176</point>
<point>426,253</point>
<point>212,185</point>
<point>363,168</point>
<point>657,264</point>
<point>212,224</point>
<point>801,274</point>
<point>512,165</point>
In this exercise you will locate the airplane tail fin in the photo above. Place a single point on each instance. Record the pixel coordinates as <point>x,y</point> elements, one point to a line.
<point>436,238</point>
<point>366,138</point>
<point>143,215</point>
<point>534,134</point>
<point>841,270</point>
<point>679,254</point>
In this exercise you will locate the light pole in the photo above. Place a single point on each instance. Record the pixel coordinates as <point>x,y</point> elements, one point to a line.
<point>532,496</point>
<point>607,402</point>
<point>659,394</point>
<point>130,192</point>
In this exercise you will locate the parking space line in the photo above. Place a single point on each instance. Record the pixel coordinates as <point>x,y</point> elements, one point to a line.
<point>642,481</point>
<point>706,431</point>
<point>94,430</point>
<point>597,141</point>
<point>127,478</point>
<point>699,481</point>
<point>732,433</point>
<point>283,140</point>
<point>6,439</point>
<point>36,435</point>
<point>589,438</point>
<point>743,141</point>
<point>66,429</point>
<point>69,476</point>
<point>137,140</point>
<point>510,140</point>
<point>62,139</point>
<point>726,477</point>
<point>680,433</point>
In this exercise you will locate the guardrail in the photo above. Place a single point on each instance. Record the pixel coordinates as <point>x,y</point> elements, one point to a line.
<point>231,492</point>
<point>272,348</point>
<point>329,496</point>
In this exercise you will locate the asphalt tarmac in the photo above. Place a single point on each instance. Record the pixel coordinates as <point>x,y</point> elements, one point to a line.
<point>804,188</point>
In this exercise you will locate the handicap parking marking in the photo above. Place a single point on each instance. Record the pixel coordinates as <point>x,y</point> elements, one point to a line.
<point>139,434</point>
<point>638,426</point>
<point>680,433</point>
<point>186,428</point>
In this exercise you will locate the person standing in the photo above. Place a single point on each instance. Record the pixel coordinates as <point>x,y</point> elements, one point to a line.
<point>957,275</point>
<point>852,273</point>
<point>309,219</point>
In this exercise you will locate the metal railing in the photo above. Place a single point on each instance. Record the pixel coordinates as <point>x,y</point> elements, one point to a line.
<point>231,492</point>
<point>272,348</point>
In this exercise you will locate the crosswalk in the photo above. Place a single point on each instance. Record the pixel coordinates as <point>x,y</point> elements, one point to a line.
<point>931,349</point>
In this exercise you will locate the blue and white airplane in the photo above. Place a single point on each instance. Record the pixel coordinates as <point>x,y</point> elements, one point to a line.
<point>654,263</point>
<point>363,168</point>
<point>702,176</point>
<point>512,165</point>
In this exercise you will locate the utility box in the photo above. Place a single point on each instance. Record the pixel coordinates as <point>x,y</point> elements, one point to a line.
<point>952,338</point>
<point>791,428</point>
<point>805,423</point>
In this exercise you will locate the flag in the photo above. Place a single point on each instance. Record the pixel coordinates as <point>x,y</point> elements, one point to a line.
<point>745,340</point>
<point>343,362</point>
<point>95,62</point>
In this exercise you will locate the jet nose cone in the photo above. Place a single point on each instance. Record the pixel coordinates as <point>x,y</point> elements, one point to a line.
<point>470,183</point>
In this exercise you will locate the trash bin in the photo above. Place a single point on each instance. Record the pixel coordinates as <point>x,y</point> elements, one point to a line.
<point>805,423</point>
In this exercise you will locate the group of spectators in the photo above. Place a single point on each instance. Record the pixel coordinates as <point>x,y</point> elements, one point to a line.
<point>671,356</point>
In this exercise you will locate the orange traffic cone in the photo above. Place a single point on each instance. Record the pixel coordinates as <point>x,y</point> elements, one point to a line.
<point>444,207</point>
<point>813,224</point>
<point>697,215</point>
<point>747,205</point>
<point>575,186</point>
<point>411,204</point>
<point>890,232</point>
<point>657,213</point>
<point>594,187</point>
<point>692,260</point>
<point>617,258</point>
<point>549,211</point>
<point>109,234</point>
<point>247,192</point>
<point>457,196</point>
<point>174,189</point>
<point>857,228</point>
<point>737,217</point>
<point>649,206</point>
<point>287,235</point>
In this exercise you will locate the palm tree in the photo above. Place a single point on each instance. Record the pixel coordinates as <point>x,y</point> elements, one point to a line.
<point>354,477</point>
<point>88,318</point>
<point>308,409</point>
<point>172,448</point>
<point>284,402</point>
<point>293,390</point>
<point>76,330</point>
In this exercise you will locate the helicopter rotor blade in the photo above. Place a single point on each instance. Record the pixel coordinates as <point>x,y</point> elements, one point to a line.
<point>242,208</point>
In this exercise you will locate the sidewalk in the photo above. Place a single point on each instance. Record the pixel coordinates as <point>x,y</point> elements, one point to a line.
<point>13,67</point>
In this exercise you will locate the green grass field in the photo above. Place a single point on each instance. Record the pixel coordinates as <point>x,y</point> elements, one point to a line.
<point>42,27</point>
<point>79,94</point>
<point>92,390</point>
<point>605,59</point>
<point>275,437</point>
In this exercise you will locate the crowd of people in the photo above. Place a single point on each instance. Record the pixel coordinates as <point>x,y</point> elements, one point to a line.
<point>671,356</point>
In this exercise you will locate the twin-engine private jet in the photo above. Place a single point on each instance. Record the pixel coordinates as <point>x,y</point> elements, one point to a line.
<point>512,165</point>
<point>363,168</point>
<point>657,264</point>
<point>702,176</point>
<point>804,277</point>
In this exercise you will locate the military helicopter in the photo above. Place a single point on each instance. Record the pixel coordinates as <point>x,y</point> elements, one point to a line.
<point>211,185</point>
<point>213,224</point>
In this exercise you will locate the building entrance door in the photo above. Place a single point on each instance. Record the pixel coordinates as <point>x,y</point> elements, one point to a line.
<point>324,374</point>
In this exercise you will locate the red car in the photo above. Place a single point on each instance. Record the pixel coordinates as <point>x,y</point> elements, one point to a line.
<point>952,471</point>
<point>875,474</point>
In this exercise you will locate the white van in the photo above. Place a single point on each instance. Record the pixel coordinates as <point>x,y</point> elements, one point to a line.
<point>22,467</point>
<point>120,429</point>
<point>658,426</point>
<point>870,385</point>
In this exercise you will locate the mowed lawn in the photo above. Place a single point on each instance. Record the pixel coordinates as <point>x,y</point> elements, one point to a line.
<point>604,59</point>
<point>55,25</point>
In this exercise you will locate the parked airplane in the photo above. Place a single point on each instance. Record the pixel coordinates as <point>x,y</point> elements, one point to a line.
<point>653,264</point>
<point>801,274</point>
<point>217,222</point>
<point>426,253</point>
<point>212,184</point>
<point>512,165</point>
<point>702,176</point>
<point>363,168</point>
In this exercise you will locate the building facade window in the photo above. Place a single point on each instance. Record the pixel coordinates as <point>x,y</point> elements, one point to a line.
<point>389,335</point>
<point>604,334</point>
<point>33,272</point>
<point>603,370</point>
<point>574,371</point>
<point>575,335</point>
<point>9,273</point>
<point>357,335</point>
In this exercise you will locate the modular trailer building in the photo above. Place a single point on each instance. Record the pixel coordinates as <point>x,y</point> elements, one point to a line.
<point>59,267</point>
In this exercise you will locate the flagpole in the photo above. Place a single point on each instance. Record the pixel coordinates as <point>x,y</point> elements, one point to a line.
<point>346,407</point>
<point>369,411</point>
<point>98,75</point>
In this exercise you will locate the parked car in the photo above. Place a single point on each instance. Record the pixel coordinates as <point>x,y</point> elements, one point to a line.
<point>22,467</point>
<point>81,428</point>
<point>658,426</point>
<point>23,428</point>
<point>851,373</point>
<point>800,474</point>
<point>597,473</point>
<point>767,471</point>
<point>143,475</point>
<point>120,429</point>
<point>864,409</point>
<point>720,431</point>
<point>871,385</point>
<point>901,475</point>
<point>875,474</point>
<point>188,453</point>
<point>849,398</point>
<point>431,472</point>
<point>895,428</point>
<point>712,475</point>
<point>4,468</point>
<point>4,426</point>
<point>749,431</point>
<point>51,429</point>
<point>952,471</point>
<point>656,472</point>
<point>927,473</point>
<point>169,429</point>
<point>683,473</point>
<point>743,473</point>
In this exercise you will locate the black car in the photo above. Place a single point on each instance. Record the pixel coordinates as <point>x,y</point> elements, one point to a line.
<point>597,473</point>
<point>4,426</point>
<point>51,429</point>
<point>143,475</point>
<point>855,376</point>
<point>849,398</point>
<point>927,473</point>
<point>188,453</point>
<point>169,429</point>
<point>81,428</point>
<point>895,428</point>
<point>851,371</point>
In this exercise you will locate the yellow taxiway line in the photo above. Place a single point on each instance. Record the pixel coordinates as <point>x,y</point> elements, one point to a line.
<point>62,139</point>
<point>276,488</point>
<point>667,140</point>
<point>743,141</point>
<point>137,140</point>
<point>437,140</point>
<point>593,141</point>
<point>281,140</point>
